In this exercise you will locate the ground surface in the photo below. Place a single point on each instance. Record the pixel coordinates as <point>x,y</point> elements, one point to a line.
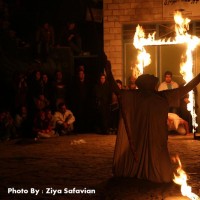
<point>85,161</point>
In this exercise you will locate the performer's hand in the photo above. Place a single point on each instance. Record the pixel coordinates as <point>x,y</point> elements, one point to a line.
<point>108,66</point>
<point>103,58</point>
<point>106,62</point>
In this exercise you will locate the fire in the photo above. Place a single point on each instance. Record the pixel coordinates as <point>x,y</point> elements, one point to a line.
<point>143,58</point>
<point>180,178</point>
<point>182,37</point>
<point>186,67</point>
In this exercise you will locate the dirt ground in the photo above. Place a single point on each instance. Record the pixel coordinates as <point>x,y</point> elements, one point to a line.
<point>80,167</point>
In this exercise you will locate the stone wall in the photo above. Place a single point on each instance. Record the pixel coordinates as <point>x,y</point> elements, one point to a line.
<point>119,12</point>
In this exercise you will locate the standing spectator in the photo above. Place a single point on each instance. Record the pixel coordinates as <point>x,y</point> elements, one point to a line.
<point>46,87</point>
<point>169,84</point>
<point>7,128</point>
<point>71,38</point>
<point>44,41</point>
<point>80,102</point>
<point>20,90</point>
<point>59,89</point>
<point>34,88</point>
<point>102,95</point>
<point>34,84</point>
<point>21,121</point>
<point>131,83</point>
<point>63,120</point>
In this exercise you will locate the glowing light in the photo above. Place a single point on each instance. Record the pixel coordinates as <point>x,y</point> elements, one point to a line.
<point>180,178</point>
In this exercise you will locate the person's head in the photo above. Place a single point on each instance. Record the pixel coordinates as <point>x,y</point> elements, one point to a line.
<point>102,78</point>
<point>132,86</point>
<point>71,25</point>
<point>168,77</point>
<point>45,78</point>
<point>81,67</point>
<point>23,110</point>
<point>46,25</point>
<point>2,115</point>
<point>59,75</point>
<point>48,114</point>
<point>147,82</point>
<point>62,107</point>
<point>42,115</point>
<point>119,83</point>
<point>81,75</point>
<point>41,97</point>
<point>37,75</point>
<point>131,83</point>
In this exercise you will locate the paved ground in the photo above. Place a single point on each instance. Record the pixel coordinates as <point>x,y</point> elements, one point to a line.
<point>84,162</point>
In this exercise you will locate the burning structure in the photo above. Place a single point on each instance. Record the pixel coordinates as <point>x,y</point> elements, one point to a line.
<point>182,37</point>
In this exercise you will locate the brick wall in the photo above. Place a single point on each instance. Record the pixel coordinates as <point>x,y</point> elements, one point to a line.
<point>119,12</point>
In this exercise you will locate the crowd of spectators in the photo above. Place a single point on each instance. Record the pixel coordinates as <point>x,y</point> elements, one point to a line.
<point>43,106</point>
<point>43,103</point>
<point>48,106</point>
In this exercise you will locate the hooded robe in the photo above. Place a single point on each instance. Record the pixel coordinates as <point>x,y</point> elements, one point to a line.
<point>141,146</point>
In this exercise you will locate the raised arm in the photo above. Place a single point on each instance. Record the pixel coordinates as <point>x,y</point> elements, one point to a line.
<point>110,78</point>
<point>174,96</point>
<point>189,86</point>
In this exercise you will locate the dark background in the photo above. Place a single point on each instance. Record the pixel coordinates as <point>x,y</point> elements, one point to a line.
<point>27,15</point>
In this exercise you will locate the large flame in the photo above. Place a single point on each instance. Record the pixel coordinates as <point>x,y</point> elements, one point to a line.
<point>180,178</point>
<point>186,67</point>
<point>182,37</point>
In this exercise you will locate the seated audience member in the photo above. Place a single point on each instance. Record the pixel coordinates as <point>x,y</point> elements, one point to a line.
<point>176,123</point>
<point>63,120</point>
<point>41,103</point>
<point>21,121</point>
<point>49,118</point>
<point>7,128</point>
<point>41,127</point>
